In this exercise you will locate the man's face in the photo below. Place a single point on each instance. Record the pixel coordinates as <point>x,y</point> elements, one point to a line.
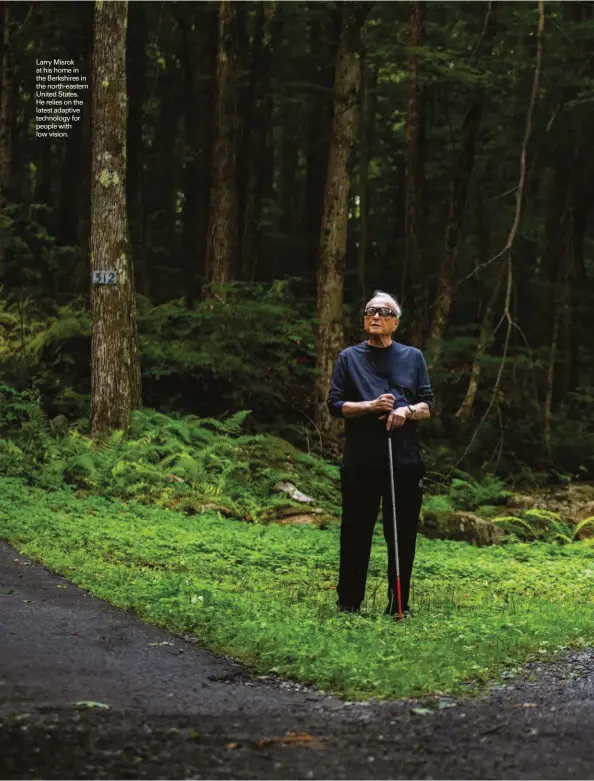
<point>380,323</point>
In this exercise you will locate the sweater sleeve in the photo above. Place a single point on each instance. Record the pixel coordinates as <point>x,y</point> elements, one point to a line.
<point>424,392</point>
<point>336,394</point>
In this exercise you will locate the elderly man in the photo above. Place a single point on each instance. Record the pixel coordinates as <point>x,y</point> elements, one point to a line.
<point>381,388</point>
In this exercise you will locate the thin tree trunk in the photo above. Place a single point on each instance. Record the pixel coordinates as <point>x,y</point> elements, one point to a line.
<point>288,160</point>
<point>555,256</point>
<point>83,223</point>
<point>464,413</point>
<point>137,68</point>
<point>336,199</point>
<point>115,364</point>
<point>6,103</point>
<point>363,184</point>
<point>414,175</point>
<point>323,37</point>
<point>457,204</point>
<point>259,112</point>
<point>199,58</point>
<point>506,253</point>
<point>222,229</point>
<point>548,406</point>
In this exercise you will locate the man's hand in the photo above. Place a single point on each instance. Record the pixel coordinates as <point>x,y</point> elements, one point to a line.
<point>396,418</point>
<point>383,403</point>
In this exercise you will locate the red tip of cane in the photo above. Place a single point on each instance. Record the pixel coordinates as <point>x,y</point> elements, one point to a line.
<point>399,598</point>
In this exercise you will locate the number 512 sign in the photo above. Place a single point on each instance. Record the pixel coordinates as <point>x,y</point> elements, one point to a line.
<point>107,277</point>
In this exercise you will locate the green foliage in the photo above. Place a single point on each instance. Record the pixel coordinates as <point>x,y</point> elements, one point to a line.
<point>172,461</point>
<point>265,594</point>
<point>466,493</point>
<point>539,524</point>
<point>254,349</point>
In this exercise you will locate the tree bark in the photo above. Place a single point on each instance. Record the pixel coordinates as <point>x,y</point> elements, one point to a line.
<point>137,68</point>
<point>323,38</point>
<point>164,173</point>
<point>363,184</point>
<point>414,175</point>
<point>222,228</point>
<point>288,155</point>
<point>333,239</point>
<point>464,413</point>
<point>115,365</point>
<point>199,59</point>
<point>555,258</point>
<point>6,103</point>
<point>258,117</point>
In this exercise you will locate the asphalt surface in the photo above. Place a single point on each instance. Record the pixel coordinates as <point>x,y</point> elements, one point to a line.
<point>178,711</point>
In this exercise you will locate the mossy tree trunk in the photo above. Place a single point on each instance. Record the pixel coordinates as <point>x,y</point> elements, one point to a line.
<point>333,239</point>
<point>115,365</point>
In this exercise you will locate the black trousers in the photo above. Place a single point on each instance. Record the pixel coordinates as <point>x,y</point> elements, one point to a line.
<point>363,488</point>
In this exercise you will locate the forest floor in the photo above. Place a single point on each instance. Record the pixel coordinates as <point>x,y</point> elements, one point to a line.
<point>178,711</point>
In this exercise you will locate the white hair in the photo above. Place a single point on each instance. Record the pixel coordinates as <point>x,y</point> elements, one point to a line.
<point>393,303</point>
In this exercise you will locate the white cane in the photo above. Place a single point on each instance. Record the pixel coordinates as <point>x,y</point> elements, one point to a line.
<point>398,594</point>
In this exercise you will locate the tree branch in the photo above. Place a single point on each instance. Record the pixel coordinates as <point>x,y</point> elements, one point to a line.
<point>507,250</point>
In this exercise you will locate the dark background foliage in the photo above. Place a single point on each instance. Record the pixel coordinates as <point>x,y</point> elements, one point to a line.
<point>256,350</point>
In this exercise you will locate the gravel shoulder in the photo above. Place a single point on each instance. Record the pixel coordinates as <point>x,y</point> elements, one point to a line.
<point>179,711</point>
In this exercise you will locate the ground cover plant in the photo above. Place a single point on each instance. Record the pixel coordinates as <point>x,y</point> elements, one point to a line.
<point>265,593</point>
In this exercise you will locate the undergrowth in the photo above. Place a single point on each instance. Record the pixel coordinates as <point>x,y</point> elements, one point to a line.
<point>189,463</point>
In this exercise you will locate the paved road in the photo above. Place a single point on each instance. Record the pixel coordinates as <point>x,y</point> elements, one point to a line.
<point>178,711</point>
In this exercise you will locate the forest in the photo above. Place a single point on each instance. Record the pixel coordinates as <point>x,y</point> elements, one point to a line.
<point>247,175</point>
<point>284,160</point>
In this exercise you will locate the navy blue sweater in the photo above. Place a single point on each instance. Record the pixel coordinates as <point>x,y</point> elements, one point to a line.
<point>362,373</point>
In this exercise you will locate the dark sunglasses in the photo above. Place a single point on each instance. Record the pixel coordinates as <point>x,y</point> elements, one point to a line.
<point>382,311</point>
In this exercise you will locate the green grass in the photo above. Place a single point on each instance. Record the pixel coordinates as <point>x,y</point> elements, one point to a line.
<point>265,594</point>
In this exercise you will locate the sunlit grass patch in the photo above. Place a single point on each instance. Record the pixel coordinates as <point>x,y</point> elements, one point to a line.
<point>265,594</point>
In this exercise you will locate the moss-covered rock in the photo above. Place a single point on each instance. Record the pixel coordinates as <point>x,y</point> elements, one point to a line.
<point>459,525</point>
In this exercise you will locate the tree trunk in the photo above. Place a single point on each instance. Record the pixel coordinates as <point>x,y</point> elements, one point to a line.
<point>6,104</point>
<point>288,159</point>
<point>258,117</point>
<point>336,198</point>
<point>363,185</point>
<point>164,172</point>
<point>465,411</point>
<point>323,37</point>
<point>222,226</point>
<point>115,365</point>
<point>555,258</point>
<point>459,188</point>
<point>457,204</point>
<point>414,176</point>
<point>199,59</point>
<point>137,68</point>
<point>83,222</point>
